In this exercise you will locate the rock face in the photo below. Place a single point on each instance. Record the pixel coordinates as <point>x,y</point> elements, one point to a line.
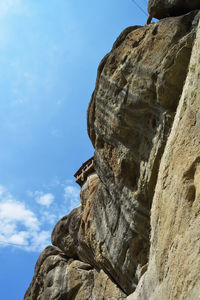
<point>174,263</point>
<point>168,8</point>
<point>147,171</point>
<point>129,119</point>
<point>60,277</point>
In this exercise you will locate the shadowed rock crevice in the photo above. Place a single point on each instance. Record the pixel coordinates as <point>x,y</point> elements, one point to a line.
<point>169,8</point>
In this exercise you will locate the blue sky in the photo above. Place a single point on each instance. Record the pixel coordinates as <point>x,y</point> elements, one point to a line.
<point>49,54</point>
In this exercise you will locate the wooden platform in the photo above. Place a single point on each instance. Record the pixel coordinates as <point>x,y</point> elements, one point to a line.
<point>85,170</point>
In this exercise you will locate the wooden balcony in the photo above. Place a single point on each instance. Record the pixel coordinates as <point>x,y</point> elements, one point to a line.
<point>85,170</point>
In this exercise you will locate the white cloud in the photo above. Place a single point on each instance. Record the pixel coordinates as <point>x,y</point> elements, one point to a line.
<point>72,196</point>
<point>20,225</point>
<point>13,211</point>
<point>30,229</point>
<point>19,238</point>
<point>2,190</point>
<point>44,199</point>
<point>49,217</point>
<point>71,191</point>
<point>39,240</point>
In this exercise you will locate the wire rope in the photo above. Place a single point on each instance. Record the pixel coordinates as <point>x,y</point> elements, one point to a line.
<point>140,8</point>
<point>7,243</point>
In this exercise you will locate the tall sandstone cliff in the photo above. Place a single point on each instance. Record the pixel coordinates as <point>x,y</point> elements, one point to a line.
<point>136,233</point>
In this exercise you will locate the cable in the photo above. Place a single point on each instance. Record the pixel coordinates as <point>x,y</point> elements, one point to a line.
<point>142,10</point>
<point>7,243</point>
<point>139,7</point>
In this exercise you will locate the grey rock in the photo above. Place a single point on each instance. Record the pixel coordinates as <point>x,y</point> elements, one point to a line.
<point>60,277</point>
<point>66,233</point>
<point>168,8</point>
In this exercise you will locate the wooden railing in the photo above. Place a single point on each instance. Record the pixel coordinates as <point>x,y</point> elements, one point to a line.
<point>81,177</point>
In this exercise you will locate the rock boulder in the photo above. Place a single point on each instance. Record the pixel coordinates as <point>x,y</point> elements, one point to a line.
<point>168,8</point>
<point>60,277</point>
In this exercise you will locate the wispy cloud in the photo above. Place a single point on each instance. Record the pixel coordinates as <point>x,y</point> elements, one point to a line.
<point>71,191</point>
<point>44,199</point>
<point>71,195</point>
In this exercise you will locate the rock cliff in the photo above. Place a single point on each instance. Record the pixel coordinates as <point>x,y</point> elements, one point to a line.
<point>165,8</point>
<point>137,229</point>
<point>174,262</point>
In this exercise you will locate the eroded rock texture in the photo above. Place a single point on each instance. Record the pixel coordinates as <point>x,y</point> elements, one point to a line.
<point>174,263</point>
<point>129,118</point>
<point>165,8</point>
<point>60,277</point>
<point>101,249</point>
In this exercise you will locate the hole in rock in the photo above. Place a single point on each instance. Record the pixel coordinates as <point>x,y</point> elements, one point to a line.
<point>191,193</point>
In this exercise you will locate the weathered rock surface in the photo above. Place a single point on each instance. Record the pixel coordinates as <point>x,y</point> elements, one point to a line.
<point>129,119</point>
<point>174,263</point>
<point>60,277</point>
<point>101,249</point>
<point>88,188</point>
<point>168,8</point>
